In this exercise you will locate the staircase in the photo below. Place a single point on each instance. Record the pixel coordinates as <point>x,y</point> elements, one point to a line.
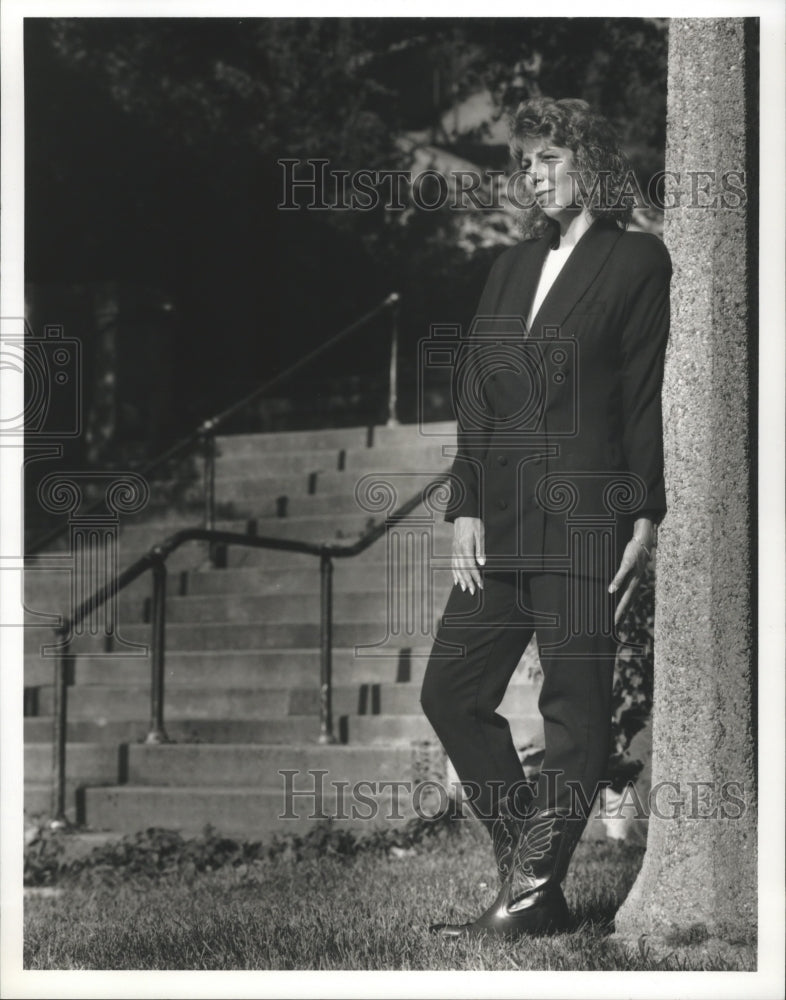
<point>242,654</point>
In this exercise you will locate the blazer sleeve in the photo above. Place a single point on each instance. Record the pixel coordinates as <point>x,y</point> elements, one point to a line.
<point>643,346</point>
<point>471,408</point>
<point>471,439</point>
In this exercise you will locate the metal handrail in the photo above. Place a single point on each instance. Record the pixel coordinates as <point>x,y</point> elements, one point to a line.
<point>205,433</point>
<point>155,560</point>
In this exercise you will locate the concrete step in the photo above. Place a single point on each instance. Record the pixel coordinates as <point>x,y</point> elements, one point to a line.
<point>295,729</point>
<point>238,556</point>
<point>241,764</point>
<point>333,529</point>
<point>249,500</point>
<point>263,465</point>
<point>124,701</point>
<point>259,496</point>
<point>37,671</point>
<point>442,538</point>
<point>45,584</point>
<point>247,495</point>
<point>347,578</point>
<point>271,571</point>
<point>397,729</point>
<point>189,556</point>
<point>221,636</point>
<point>248,812</point>
<point>412,434</point>
<point>404,457</point>
<point>349,728</point>
<point>316,529</point>
<point>55,593</point>
<point>386,700</point>
<point>288,441</point>
<point>242,668</point>
<point>37,640</point>
<point>86,763</point>
<point>276,635</point>
<point>340,437</point>
<point>114,701</point>
<point>243,491</point>
<point>418,456</point>
<point>302,454</point>
<point>254,668</point>
<point>239,484</point>
<point>172,502</point>
<point>294,608</point>
<point>38,801</point>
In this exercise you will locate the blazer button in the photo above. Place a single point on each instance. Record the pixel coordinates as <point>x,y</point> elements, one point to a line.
<point>502,459</point>
<point>503,504</point>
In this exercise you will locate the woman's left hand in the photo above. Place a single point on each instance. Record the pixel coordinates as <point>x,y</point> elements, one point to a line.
<point>634,564</point>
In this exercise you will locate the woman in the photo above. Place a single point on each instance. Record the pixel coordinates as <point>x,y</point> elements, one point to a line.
<point>557,491</point>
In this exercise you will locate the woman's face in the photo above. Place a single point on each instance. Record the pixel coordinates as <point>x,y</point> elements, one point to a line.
<point>548,171</point>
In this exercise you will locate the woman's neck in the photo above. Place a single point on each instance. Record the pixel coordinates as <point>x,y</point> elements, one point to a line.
<point>573,228</point>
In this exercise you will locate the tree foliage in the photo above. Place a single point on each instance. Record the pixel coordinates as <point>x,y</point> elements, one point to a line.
<point>342,88</point>
<point>152,148</point>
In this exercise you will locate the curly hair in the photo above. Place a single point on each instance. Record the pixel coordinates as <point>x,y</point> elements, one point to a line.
<point>597,154</point>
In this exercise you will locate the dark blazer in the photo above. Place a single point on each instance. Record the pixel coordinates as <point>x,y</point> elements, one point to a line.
<point>559,427</point>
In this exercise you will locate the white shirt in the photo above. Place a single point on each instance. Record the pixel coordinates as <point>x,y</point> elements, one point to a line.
<point>552,265</point>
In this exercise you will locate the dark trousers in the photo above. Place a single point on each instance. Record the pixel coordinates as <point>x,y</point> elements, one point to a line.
<point>573,619</point>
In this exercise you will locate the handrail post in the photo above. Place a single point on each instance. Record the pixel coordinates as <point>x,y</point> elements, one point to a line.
<point>393,303</point>
<point>60,711</point>
<point>326,638</point>
<point>157,733</point>
<point>207,433</point>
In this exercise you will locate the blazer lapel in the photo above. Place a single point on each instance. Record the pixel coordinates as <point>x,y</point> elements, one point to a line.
<point>582,266</point>
<point>525,292</point>
<point>511,293</point>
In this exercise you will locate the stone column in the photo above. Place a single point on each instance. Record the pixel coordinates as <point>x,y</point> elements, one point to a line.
<point>698,879</point>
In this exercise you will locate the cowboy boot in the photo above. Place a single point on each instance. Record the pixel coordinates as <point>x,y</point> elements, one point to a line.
<point>505,832</point>
<point>532,857</point>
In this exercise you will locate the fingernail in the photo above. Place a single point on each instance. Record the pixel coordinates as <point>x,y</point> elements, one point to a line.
<point>612,588</point>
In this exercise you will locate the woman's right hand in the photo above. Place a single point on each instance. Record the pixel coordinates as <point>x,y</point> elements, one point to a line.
<point>469,553</point>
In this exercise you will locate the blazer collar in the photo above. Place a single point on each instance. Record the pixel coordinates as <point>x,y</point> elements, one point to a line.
<point>585,261</point>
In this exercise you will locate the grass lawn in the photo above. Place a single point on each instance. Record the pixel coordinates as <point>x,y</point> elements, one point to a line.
<point>368,911</point>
